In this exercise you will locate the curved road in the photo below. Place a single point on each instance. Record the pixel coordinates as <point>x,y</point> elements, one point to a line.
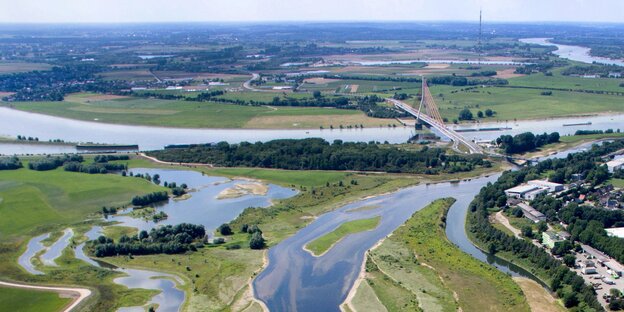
<point>83,293</point>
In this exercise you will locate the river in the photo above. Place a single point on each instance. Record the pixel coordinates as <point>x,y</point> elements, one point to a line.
<point>294,280</point>
<point>573,53</point>
<point>14,122</point>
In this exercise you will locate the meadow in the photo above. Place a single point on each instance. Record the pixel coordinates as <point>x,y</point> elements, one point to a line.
<point>418,259</point>
<point>20,300</point>
<point>175,113</point>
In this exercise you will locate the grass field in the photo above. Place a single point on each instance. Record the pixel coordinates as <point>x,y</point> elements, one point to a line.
<point>22,300</point>
<point>566,82</point>
<point>419,259</point>
<point>617,182</point>
<point>510,104</point>
<point>154,112</point>
<point>35,199</point>
<point>322,244</point>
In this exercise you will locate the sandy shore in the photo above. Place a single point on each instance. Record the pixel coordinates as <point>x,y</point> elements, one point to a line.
<point>242,189</point>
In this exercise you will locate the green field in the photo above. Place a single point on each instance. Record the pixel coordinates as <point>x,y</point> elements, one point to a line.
<point>22,300</point>
<point>322,244</point>
<point>566,82</point>
<point>35,199</point>
<point>617,182</point>
<point>510,104</point>
<point>419,260</point>
<point>154,112</point>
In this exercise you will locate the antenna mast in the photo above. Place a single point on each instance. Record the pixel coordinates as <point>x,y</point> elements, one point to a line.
<point>480,34</point>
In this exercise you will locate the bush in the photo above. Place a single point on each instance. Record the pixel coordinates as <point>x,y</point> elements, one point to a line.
<point>218,240</point>
<point>257,241</point>
<point>10,163</point>
<point>225,229</point>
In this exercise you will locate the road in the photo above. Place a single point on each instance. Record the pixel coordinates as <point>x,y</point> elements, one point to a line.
<point>505,222</point>
<point>247,84</point>
<point>82,293</point>
<point>473,148</point>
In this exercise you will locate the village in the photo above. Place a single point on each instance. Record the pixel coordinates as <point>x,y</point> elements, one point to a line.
<point>598,269</point>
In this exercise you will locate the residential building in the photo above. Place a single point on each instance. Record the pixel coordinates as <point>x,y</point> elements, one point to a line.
<point>550,238</point>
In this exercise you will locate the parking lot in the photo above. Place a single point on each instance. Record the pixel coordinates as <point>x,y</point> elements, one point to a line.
<point>598,278</point>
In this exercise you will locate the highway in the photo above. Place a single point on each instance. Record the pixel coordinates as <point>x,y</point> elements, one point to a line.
<point>473,148</point>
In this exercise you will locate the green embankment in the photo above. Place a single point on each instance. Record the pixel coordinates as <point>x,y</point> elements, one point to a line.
<point>418,263</point>
<point>22,300</point>
<point>322,244</point>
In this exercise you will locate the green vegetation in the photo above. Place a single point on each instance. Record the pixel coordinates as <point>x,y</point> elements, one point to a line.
<point>514,103</point>
<point>22,300</point>
<point>419,262</point>
<point>177,113</point>
<point>33,199</point>
<point>318,154</point>
<point>322,244</point>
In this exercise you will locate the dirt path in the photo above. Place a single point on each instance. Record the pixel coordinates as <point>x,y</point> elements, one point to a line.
<point>82,293</point>
<point>505,222</point>
<point>537,297</point>
<point>156,160</point>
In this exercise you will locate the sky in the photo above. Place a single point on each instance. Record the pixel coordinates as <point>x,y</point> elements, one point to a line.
<point>139,11</point>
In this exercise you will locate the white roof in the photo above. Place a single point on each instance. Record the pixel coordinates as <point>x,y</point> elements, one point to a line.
<point>544,183</point>
<point>615,162</point>
<point>522,188</point>
<point>617,232</point>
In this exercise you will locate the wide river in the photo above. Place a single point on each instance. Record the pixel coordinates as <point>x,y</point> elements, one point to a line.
<point>574,53</point>
<point>294,280</point>
<point>14,122</point>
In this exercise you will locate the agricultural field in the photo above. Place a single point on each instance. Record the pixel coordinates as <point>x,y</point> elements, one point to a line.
<point>176,113</point>
<point>417,261</point>
<point>20,67</point>
<point>22,300</point>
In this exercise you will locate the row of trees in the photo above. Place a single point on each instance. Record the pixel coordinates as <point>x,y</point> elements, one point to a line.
<point>163,239</point>
<point>318,154</point>
<point>94,168</point>
<point>525,142</point>
<point>51,163</point>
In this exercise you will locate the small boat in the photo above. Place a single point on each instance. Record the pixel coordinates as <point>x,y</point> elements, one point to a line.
<point>578,124</point>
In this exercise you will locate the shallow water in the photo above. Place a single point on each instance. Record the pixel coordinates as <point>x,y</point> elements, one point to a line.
<point>34,246</point>
<point>56,249</point>
<point>170,298</point>
<point>92,234</point>
<point>202,207</point>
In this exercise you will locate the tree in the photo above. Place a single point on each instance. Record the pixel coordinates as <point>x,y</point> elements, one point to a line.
<point>569,260</point>
<point>542,226</point>
<point>480,114</point>
<point>225,229</point>
<point>489,112</point>
<point>257,241</point>
<point>465,114</point>
<point>527,231</point>
<point>570,300</point>
<point>316,94</point>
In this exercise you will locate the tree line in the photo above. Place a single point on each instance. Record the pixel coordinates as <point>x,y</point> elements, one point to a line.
<point>318,154</point>
<point>10,163</point>
<point>163,239</point>
<point>525,142</point>
<point>147,199</point>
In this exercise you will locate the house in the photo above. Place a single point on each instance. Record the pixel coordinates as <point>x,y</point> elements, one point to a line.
<point>531,213</point>
<point>615,75</point>
<point>615,164</point>
<point>551,186</point>
<point>549,239</point>
<point>520,190</point>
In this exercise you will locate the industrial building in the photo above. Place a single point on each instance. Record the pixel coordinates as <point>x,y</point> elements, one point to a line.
<point>615,164</point>
<point>520,190</point>
<point>552,187</point>
<point>531,213</point>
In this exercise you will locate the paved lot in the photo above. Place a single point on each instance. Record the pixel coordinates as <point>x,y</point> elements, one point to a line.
<point>602,287</point>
